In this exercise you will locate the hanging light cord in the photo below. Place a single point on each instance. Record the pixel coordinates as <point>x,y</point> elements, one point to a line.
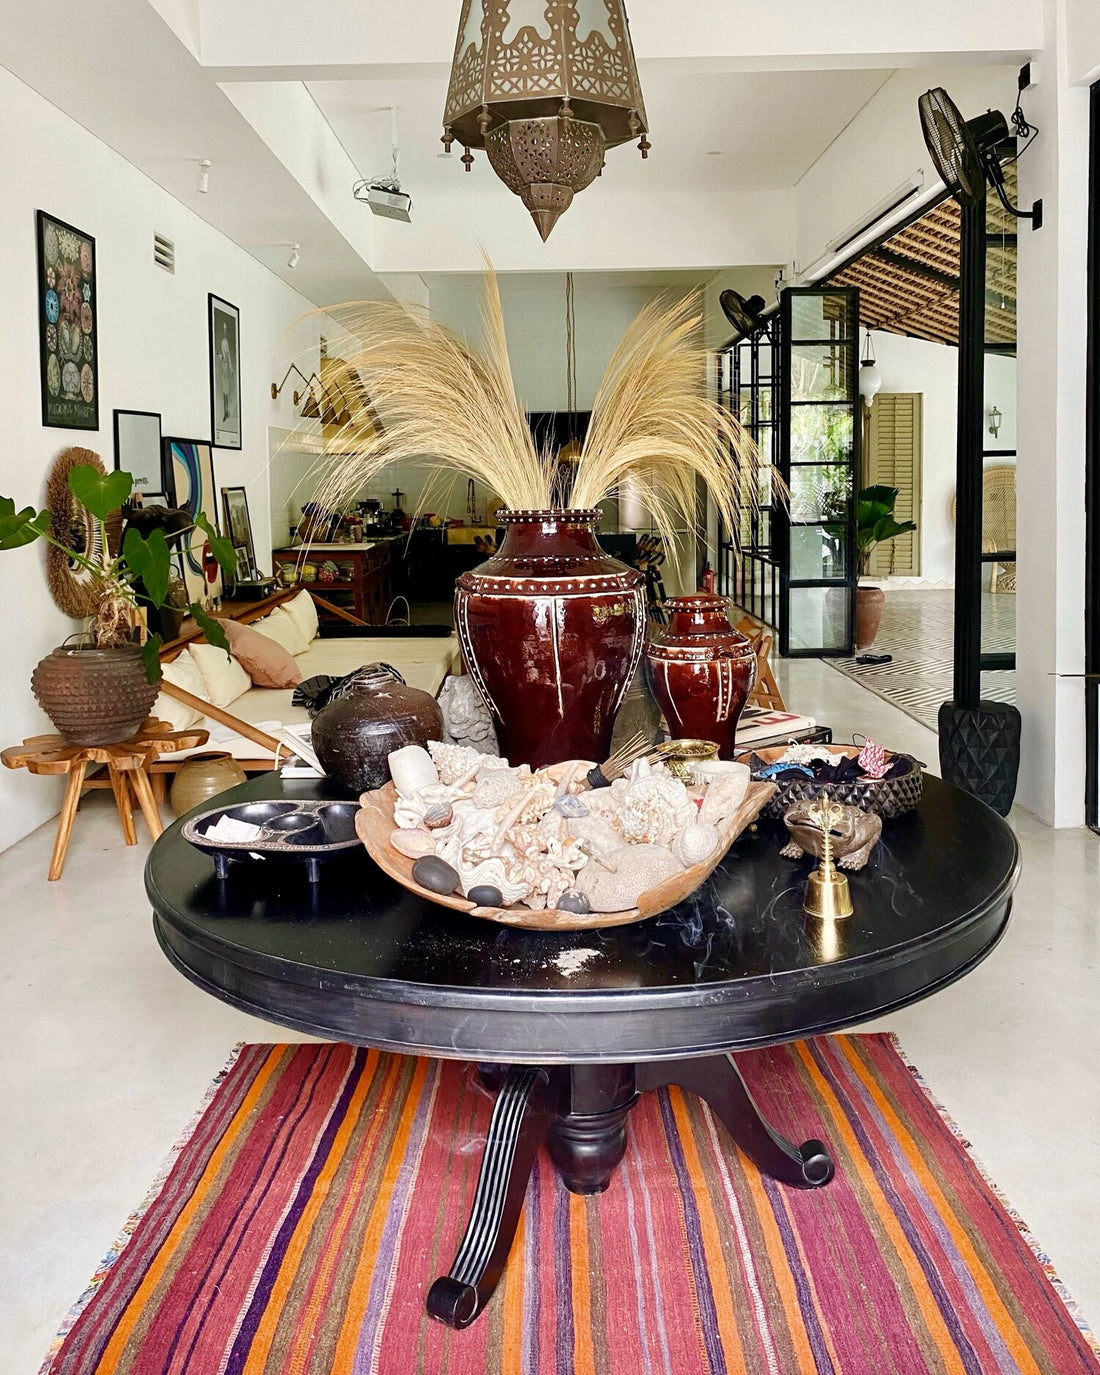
<point>570,347</point>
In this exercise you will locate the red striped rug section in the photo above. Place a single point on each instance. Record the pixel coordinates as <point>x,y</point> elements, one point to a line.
<point>323,1187</point>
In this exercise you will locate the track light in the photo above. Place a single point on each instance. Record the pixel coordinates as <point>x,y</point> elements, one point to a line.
<point>295,256</point>
<point>204,175</point>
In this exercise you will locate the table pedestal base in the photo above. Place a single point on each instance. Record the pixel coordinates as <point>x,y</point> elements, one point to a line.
<point>580,1111</point>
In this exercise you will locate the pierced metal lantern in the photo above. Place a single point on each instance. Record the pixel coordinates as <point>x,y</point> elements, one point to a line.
<point>544,87</point>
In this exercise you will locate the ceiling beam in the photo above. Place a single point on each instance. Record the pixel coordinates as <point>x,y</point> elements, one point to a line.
<point>914,265</point>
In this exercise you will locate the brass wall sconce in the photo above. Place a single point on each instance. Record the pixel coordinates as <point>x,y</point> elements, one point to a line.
<point>296,396</point>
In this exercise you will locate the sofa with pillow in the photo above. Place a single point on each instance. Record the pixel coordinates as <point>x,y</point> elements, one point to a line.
<point>244,697</point>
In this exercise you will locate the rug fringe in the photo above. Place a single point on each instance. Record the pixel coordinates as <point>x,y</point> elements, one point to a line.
<point>1068,1301</point>
<point>128,1227</point>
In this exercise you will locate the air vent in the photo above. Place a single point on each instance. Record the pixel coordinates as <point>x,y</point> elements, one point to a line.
<point>164,253</point>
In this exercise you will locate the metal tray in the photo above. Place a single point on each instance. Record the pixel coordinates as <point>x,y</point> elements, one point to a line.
<point>299,832</point>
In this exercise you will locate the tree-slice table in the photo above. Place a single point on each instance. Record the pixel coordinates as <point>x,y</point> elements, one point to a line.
<point>127,765</point>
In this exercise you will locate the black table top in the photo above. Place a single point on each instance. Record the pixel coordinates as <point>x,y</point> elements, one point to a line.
<point>356,957</point>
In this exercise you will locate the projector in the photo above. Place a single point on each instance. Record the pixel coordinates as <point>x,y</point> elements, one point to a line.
<point>385,198</point>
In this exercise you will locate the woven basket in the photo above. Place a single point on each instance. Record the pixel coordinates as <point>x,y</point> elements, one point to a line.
<point>887,797</point>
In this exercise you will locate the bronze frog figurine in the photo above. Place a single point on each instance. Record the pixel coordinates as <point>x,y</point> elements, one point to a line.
<point>855,834</point>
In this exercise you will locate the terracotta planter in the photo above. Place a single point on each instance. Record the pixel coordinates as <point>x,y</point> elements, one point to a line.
<point>353,735</point>
<point>201,777</point>
<point>551,630</point>
<point>94,696</point>
<point>869,604</point>
<point>701,671</point>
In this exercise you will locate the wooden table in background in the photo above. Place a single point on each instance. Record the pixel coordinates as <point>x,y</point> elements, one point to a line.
<point>127,766</point>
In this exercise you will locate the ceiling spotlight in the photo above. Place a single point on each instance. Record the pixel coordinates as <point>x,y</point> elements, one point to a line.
<point>204,175</point>
<point>295,256</point>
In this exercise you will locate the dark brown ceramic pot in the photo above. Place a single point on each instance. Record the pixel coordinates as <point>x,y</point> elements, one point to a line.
<point>551,629</point>
<point>94,696</point>
<point>701,671</point>
<point>353,735</point>
<point>869,604</point>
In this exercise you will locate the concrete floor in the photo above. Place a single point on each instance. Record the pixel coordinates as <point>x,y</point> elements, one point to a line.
<point>110,1051</point>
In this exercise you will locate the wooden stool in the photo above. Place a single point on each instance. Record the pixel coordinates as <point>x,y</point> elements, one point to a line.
<point>127,766</point>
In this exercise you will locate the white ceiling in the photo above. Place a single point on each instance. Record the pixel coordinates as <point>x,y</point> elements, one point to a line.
<point>750,130</point>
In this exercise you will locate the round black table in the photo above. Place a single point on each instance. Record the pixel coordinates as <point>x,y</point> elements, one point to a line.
<point>571,1028</point>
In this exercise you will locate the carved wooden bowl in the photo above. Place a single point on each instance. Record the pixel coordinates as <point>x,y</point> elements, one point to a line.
<point>887,797</point>
<point>374,824</point>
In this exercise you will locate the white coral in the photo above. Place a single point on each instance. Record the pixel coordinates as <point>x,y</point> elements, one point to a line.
<point>653,810</point>
<point>459,761</point>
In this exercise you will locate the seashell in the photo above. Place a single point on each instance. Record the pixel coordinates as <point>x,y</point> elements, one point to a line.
<point>695,843</point>
<point>472,822</point>
<point>654,809</point>
<point>707,770</point>
<point>411,769</point>
<point>414,842</point>
<point>410,811</point>
<point>496,787</point>
<point>459,761</point>
<point>437,815</point>
<point>637,869</point>
<point>568,804</point>
<point>724,795</point>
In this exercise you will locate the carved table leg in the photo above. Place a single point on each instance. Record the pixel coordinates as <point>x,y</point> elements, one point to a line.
<point>588,1140</point>
<point>518,1125</point>
<point>717,1081</point>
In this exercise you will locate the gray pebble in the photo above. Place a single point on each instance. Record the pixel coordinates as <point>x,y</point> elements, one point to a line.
<point>485,895</point>
<point>572,901</point>
<point>435,874</point>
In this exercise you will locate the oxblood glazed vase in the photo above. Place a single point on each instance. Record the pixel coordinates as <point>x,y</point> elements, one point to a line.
<point>551,629</point>
<point>701,671</point>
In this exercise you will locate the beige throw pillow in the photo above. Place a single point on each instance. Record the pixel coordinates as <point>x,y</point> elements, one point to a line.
<point>183,672</point>
<point>265,661</point>
<point>281,627</point>
<point>223,676</point>
<point>304,612</point>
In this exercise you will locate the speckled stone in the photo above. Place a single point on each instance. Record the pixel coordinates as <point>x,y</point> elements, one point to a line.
<point>435,874</point>
<point>485,895</point>
<point>572,901</point>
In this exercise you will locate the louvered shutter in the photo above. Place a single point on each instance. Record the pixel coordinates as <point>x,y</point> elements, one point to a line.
<point>893,459</point>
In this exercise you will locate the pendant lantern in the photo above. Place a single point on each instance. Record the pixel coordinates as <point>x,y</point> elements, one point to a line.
<point>544,87</point>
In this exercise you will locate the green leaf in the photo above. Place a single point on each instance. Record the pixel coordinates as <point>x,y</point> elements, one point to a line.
<point>150,653</point>
<point>101,493</point>
<point>20,527</point>
<point>151,561</point>
<point>221,548</point>
<point>211,628</point>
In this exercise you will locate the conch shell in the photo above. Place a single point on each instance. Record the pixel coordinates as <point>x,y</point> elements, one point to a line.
<point>653,810</point>
<point>724,795</point>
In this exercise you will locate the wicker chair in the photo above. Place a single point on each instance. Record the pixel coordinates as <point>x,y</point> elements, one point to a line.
<point>998,522</point>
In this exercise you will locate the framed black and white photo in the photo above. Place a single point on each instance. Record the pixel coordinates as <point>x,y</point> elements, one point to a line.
<point>245,571</point>
<point>138,450</point>
<point>238,525</point>
<point>225,374</point>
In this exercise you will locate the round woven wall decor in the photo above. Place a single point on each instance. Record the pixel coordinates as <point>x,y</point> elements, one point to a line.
<point>71,586</point>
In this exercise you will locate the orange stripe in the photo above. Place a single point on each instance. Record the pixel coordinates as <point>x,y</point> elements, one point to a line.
<point>360,1286</point>
<point>159,1263</point>
<point>918,1284</point>
<point>982,1279</point>
<point>584,1356</point>
<point>511,1354</point>
<point>716,1267</point>
<point>280,1290</point>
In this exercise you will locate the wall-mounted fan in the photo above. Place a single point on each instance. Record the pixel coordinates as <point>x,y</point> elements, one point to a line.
<point>965,152</point>
<point>742,312</point>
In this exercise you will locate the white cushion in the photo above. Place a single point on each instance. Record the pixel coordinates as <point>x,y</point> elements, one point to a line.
<point>184,673</point>
<point>281,627</point>
<point>224,679</point>
<point>304,612</point>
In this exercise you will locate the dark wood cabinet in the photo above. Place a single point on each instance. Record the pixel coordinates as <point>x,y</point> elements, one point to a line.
<point>363,582</point>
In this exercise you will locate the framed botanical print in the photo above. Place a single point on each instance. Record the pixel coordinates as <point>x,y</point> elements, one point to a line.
<point>225,374</point>
<point>138,450</point>
<point>188,477</point>
<point>68,326</point>
<point>238,526</point>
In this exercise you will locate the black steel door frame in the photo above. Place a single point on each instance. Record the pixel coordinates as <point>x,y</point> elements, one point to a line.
<point>1092,480</point>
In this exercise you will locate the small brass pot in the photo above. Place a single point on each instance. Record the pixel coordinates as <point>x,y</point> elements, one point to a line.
<point>201,777</point>
<point>683,755</point>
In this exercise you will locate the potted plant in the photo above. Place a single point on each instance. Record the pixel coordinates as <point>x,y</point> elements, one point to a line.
<point>875,523</point>
<point>100,690</point>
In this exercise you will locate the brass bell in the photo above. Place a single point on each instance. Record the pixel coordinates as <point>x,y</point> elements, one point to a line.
<point>827,892</point>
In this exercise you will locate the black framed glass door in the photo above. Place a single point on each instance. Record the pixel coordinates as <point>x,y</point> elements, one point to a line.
<point>819,454</point>
<point>1092,483</point>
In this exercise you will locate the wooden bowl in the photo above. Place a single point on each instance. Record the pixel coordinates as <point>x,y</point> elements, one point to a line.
<point>374,824</point>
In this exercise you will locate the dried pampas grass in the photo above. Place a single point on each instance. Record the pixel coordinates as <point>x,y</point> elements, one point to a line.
<point>417,392</point>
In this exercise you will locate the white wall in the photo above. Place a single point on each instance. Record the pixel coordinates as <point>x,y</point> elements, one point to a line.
<point>153,356</point>
<point>916,365</point>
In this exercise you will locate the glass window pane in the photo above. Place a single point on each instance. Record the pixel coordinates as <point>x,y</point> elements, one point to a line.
<point>817,551</point>
<point>821,492</point>
<point>818,617</point>
<point>819,316</point>
<point>821,434</point>
<point>822,372</point>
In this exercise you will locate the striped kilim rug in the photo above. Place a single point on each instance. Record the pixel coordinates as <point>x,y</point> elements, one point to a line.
<point>324,1187</point>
